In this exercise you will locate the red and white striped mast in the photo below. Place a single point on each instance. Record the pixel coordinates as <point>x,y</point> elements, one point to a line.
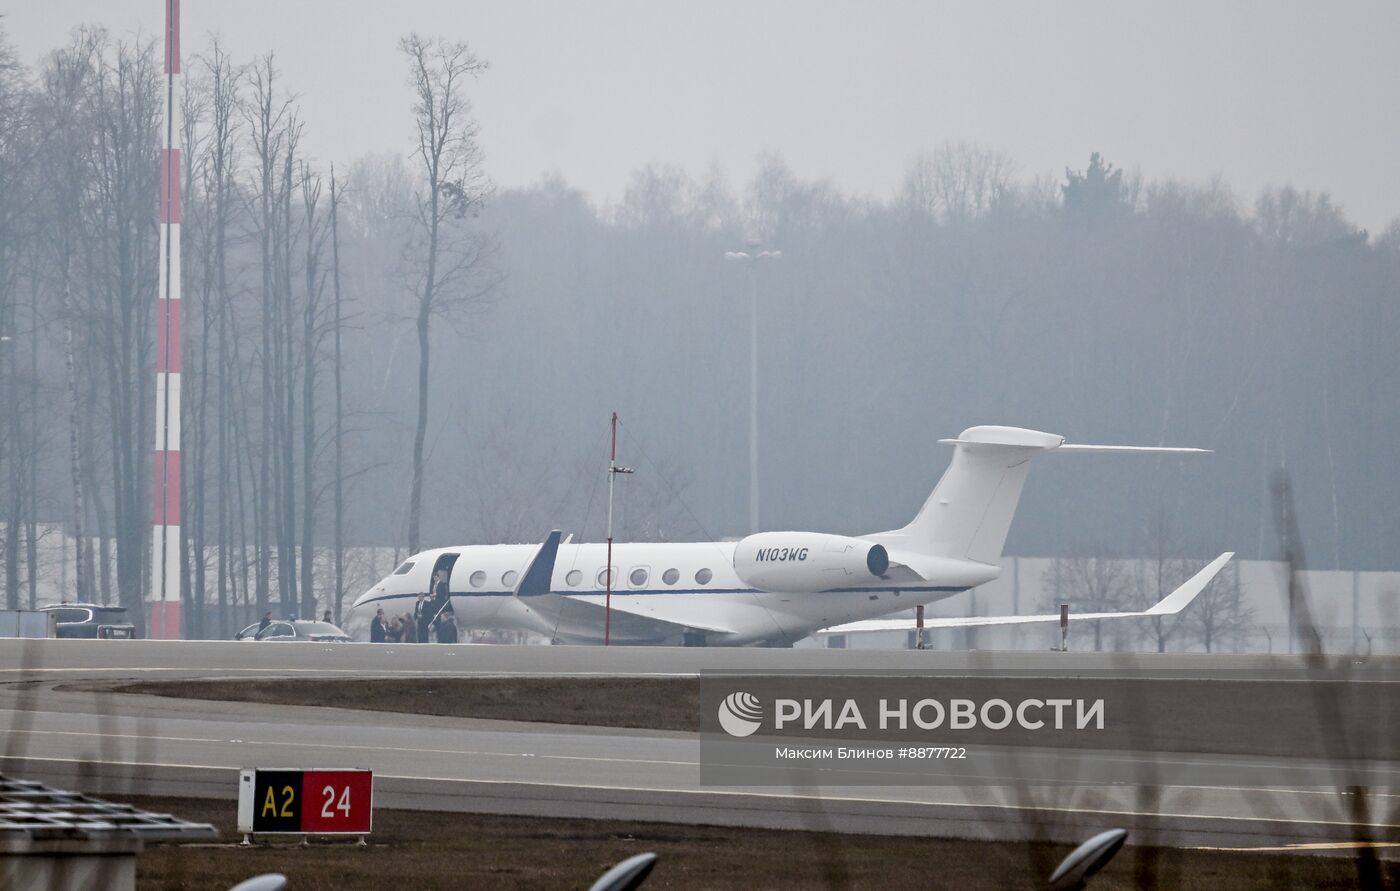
<point>164,603</point>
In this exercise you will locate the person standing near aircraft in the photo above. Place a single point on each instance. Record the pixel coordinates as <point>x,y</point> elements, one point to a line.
<point>376,627</point>
<point>446,628</point>
<point>441,597</point>
<point>422,618</point>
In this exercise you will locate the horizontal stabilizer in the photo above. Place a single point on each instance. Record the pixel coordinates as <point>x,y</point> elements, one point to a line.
<point>1172,604</point>
<point>1133,450</point>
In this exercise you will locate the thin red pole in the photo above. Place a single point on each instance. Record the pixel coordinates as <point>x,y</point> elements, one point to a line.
<point>612,474</point>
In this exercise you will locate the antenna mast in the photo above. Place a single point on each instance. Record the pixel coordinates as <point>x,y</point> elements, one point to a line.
<point>613,471</point>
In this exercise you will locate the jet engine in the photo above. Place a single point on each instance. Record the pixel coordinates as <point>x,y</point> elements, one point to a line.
<point>807,561</point>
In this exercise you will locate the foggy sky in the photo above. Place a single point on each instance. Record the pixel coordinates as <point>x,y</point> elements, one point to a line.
<point>1261,93</point>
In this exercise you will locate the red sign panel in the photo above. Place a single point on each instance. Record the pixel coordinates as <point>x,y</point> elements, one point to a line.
<point>336,801</point>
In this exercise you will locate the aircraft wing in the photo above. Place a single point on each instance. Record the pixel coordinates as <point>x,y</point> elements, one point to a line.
<point>1172,604</point>
<point>563,611</point>
<point>533,590</point>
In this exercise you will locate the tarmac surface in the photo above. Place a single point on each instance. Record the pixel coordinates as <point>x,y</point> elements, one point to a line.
<point>64,726</point>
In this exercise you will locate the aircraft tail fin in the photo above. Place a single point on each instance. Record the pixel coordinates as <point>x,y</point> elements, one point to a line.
<point>969,513</point>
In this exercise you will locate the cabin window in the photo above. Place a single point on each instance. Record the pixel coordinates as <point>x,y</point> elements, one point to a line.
<point>638,576</point>
<point>478,578</point>
<point>603,577</point>
<point>508,579</point>
<point>671,576</point>
<point>573,578</point>
<point>404,567</point>
<point>703,577</point>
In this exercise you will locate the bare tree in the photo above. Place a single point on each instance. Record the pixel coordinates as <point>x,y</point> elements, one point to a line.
<point>21,140</point>
<point>338,426</point>
<point>69,84</point>
<point>1289,217</point>
<point>198,280</point>
<point>1221,613</point>
<point>313,332</point>
<point>1089,584</point>
<point>272,126</point>
<point>220,193</point>
<point>449,257</point>
<point>1160,572</point>
<point>958,181</point>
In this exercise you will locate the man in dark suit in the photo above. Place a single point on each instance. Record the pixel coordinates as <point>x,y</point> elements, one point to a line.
<point>447,628</point>
<point>422,618</point>
<point>376,627</point>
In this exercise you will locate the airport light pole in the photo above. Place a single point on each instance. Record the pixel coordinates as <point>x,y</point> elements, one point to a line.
<point>751,258</point>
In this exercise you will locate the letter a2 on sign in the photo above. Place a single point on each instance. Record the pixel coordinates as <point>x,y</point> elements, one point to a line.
<point>277,803</point>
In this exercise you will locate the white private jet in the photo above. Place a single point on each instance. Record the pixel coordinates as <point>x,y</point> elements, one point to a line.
<point>771,588</point>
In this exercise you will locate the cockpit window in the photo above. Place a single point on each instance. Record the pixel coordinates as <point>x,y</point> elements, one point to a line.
<point>404,568</point>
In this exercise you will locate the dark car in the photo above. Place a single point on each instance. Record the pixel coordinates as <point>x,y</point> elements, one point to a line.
<point>293,630</point>
<point>91,621</point>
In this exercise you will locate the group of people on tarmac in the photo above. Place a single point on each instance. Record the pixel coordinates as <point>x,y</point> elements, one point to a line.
<point>431,619</point>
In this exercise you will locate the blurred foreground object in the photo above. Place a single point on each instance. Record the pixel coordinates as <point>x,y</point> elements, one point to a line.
<point>627,875</point>
<point>269,882</point>
<point>59,840</point>
<point>1087,859</point>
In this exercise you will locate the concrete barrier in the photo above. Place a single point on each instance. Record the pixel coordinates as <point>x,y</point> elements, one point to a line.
<point>25,623</point>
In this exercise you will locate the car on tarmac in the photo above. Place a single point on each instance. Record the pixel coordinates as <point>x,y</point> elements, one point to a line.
<point>290,630</point>
<point>91,621</point>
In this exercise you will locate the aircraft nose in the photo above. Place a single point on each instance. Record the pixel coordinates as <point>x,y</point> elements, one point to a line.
<point>365,597</point>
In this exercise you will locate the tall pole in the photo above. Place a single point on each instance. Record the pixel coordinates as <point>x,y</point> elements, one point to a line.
<point>751,258</point>
<point>164,604</point>
<point>613,471</point>
<point>608,570</point>
<point>753,396</point>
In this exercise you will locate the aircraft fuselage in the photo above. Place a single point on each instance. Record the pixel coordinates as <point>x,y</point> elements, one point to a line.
<point>679,585</point>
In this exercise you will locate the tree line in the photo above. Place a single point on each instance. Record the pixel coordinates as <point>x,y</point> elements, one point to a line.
<point>266,415</point>
<point>391,351</point>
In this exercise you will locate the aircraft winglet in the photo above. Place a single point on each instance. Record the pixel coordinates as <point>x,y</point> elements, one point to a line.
<point>536,577</point>
<point>1177,600</point>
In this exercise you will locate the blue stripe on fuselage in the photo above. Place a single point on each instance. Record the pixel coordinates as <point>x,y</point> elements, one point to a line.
<point>633,592</point>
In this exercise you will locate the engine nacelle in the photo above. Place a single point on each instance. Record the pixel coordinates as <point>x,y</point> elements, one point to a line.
<point>807,561</point>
